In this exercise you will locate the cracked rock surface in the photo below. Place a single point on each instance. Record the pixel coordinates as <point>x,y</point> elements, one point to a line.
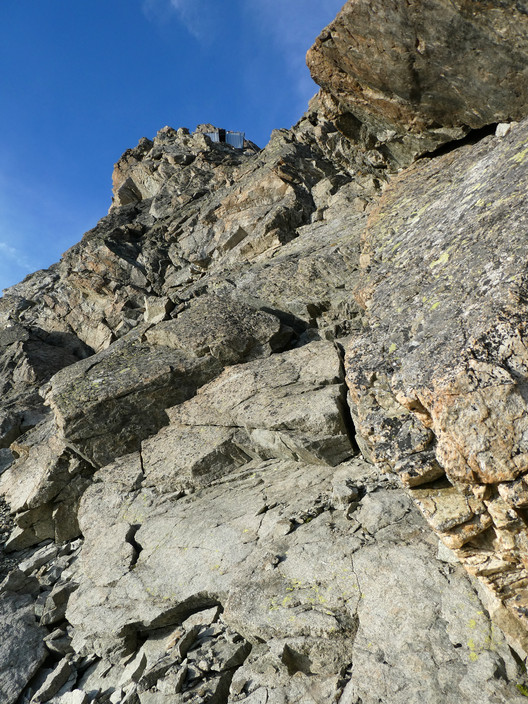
<point>410,76</point>
<point>262,431</point>
<point>437,383</point>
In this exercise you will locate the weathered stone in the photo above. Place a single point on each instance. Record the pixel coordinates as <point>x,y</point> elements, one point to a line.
<point>59,642</point>
<point>228,331</point>
<point>289,405</point>
<point>43,486</point>
<point>22,648</point>
<point>126,472</point>
<point>34,526</point>
<point>134,670</point>
<point>55,606</point>
<point>41,471</point>
<point>17,582</point>
<point>378,673</point>
<point>75,697</point>
<point>445,357</point>
<point>125,554</point>
<point>204,617</point>
<point>504,128</point>
<point>182,456</point>
<point>40,557</point>
<point>420,76</point>
<point>157,309</point>
<point>81,397</point>
<point>53,683</point>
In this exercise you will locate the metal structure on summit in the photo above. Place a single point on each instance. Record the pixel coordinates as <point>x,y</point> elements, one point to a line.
<point>235,139</point>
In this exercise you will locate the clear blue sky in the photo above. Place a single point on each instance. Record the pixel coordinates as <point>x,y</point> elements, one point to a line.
<point>83,80</point>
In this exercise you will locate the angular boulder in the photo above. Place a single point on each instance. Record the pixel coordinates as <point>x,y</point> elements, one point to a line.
<point>22,649</point>
<point>414,75</point>
<point>106,405</point>
<point>290,406</point>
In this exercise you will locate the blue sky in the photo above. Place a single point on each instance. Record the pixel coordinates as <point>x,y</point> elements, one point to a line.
<point>83,80</point>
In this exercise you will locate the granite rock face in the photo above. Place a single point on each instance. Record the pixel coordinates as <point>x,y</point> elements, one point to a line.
<point>258,421</point>
<point>410,76</point>
<point>438,381</point>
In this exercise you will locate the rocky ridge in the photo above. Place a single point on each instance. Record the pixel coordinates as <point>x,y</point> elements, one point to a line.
<point>231,410</point>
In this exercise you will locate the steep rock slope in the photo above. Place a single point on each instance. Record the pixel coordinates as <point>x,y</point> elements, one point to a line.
<point>193,521</point>
<point>438,380</point>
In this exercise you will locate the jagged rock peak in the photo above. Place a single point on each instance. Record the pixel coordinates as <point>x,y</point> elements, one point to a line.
<point>141,172</point>
<point>186,394</point>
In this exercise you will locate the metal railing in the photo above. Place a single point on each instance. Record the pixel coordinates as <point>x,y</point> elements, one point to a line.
<point>235,139</point>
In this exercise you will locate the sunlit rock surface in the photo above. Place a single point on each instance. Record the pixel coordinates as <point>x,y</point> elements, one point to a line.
<point>262,431</point>
<point>407,77</point>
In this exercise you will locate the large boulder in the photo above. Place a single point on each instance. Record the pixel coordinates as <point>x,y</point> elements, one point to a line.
<point>105,405</point>
<point>289,406</point>
<point>335,595</point>
<point>414,75</point>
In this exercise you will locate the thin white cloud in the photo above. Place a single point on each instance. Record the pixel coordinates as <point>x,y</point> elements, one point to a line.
<point>16,256</point>
<point>194,15</point>
<point>11,256</point>
<point>37,224</point>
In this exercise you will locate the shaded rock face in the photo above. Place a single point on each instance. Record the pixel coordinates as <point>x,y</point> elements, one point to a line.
<point>238,416</point>
<point>438,381</point>
<point>413,75</point>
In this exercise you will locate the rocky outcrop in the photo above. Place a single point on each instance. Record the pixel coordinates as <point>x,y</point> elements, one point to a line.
<point>407,77</point>
<point>232,410</point>
<point>209,313</point>
<point>438,381</point>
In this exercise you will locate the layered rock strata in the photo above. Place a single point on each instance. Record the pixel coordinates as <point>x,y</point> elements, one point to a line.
<point>231,410</point>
